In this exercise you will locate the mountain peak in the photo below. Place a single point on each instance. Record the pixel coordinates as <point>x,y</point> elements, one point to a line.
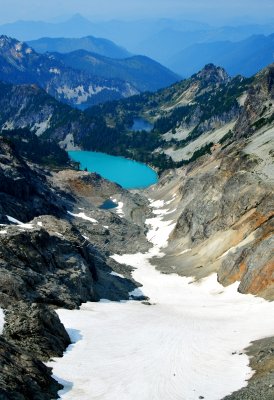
<point>213,74</point>
<point>78,18</point>
<point>11,46</point>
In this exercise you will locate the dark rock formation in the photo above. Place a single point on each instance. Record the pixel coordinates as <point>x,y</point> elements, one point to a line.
<point>24,190</point>
<point>35,329</point>
<point>23,377</point>
<point>40,266</point>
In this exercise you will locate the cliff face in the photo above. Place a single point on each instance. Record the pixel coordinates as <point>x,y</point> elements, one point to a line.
<point>224,219</point>
<point>258,106</point>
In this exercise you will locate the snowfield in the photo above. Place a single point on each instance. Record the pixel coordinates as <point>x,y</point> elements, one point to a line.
<point>188,343</point>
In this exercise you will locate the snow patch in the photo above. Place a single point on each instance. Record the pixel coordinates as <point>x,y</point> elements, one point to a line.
<point>55,71</point>
<point>242,99</point>
<point>184,252</point>
<point>80,95</point>
<point>83,216</point>
<point>116,274</point>
<point>8,125</point>
<point>19,223</point>
<point>119,208</point>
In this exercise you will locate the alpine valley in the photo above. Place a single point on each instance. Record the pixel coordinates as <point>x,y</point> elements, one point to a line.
<point>167,295</point>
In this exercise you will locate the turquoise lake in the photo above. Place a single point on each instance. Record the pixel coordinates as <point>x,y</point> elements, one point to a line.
<point>128,173</point>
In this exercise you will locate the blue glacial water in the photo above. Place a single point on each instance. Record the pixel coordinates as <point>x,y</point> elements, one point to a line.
<point>141,124</point>
<point>128,173</point>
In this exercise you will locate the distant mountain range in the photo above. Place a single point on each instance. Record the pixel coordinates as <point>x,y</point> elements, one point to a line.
<point>99,46</point>
<point>245,57</point>
<point>168,43</point>
<point>77,26</point>
<point>74,79</point>
<point>142,72</point>
<point>157,38</point>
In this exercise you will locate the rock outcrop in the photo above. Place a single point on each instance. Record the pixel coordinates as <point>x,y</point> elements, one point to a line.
<point>50,257</point>
<point>23,377</point>
<point>35,328</point>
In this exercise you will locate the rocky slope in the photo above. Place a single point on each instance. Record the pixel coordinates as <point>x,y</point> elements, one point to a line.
<point>53,255</point>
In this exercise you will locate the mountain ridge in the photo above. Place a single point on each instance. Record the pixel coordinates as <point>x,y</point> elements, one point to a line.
<point>19,63</point>
<point>93,44</point>
<point>245,57</point>
<point>141,71</point>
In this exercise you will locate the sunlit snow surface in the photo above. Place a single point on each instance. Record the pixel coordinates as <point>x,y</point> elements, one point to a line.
<point>187,344</point>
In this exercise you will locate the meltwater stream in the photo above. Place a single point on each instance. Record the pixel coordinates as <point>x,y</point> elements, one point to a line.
<point>186,345</point>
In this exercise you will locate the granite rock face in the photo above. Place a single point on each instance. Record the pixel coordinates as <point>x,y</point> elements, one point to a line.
<point>224,218</point>
<point>35,328</point>
<point>24,377</point>
<point>41,266</point>
<point>258,107</point>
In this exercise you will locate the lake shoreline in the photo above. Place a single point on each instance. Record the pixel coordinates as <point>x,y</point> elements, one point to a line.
<point>128,173</point>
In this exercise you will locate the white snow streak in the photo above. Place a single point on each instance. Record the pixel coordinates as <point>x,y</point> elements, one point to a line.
<point>116,274</point>
<point>19,223</point>
<point>83,216</point>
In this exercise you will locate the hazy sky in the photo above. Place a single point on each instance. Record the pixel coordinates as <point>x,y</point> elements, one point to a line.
<point>12,10</point>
